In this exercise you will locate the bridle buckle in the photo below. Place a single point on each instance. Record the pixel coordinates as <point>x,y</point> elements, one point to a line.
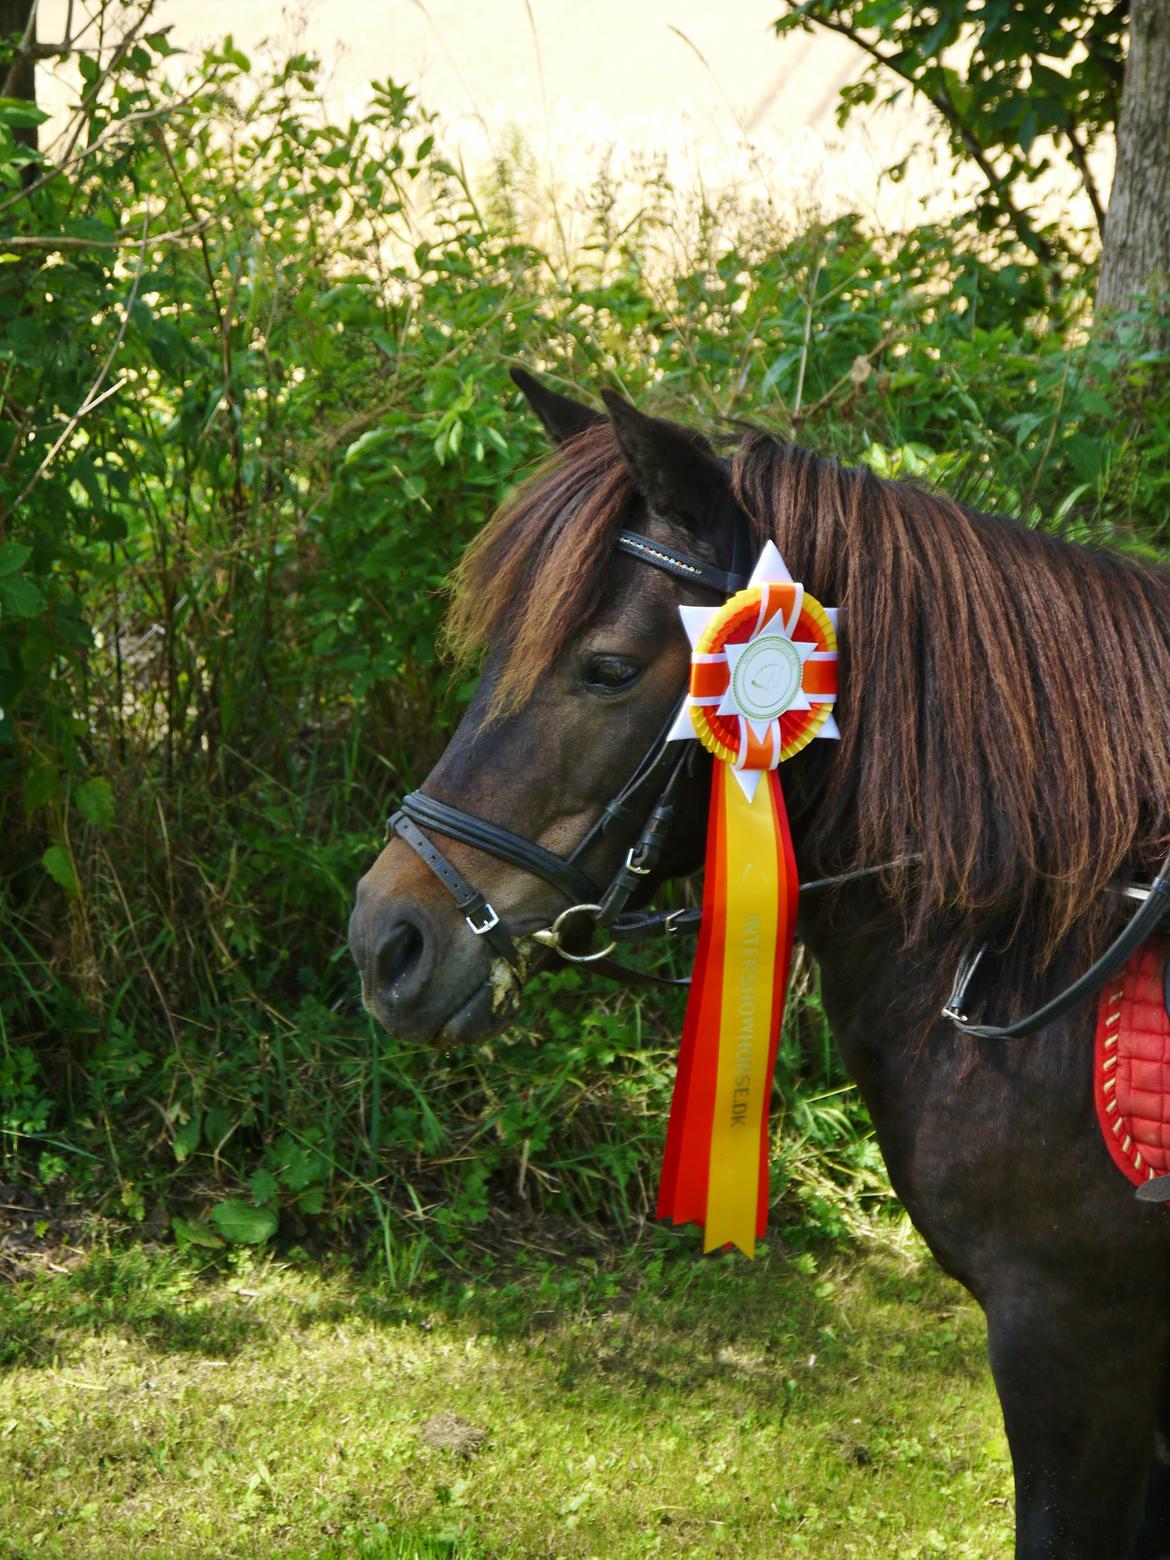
<point>632,865</point>
<point>490,919</point>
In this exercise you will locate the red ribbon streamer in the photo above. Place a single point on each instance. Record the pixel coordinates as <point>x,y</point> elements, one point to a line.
<point>709,1030</point>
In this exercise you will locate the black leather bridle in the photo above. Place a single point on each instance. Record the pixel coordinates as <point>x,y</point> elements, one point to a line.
<point>662,773</point>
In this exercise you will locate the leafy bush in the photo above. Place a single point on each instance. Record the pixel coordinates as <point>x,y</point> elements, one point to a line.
<point>254,403</point>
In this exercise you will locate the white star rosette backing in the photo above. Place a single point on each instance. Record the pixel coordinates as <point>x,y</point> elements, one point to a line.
<point>763,673</point>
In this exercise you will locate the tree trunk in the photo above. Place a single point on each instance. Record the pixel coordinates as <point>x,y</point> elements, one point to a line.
<point>1136,256</point>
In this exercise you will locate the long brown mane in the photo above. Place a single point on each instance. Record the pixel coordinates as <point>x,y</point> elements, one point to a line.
<point>1005,706</point>
<point>536,574</point>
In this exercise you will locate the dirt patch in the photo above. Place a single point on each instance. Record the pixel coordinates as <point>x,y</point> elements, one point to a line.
<point>39,1231</point>
<point>447,1432</point>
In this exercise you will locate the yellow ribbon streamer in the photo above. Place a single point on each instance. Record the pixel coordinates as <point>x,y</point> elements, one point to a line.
<point>745,1027</point>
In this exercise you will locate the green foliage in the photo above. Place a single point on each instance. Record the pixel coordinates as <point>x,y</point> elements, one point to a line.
<point>242,1224</point>
<point>253,369</point>
<point>1012,83</point>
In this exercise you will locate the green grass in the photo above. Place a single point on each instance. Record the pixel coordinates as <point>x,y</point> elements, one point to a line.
<point>652,1404</point>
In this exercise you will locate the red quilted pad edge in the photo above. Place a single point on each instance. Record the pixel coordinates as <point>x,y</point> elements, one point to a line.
<point>1114,1009</point>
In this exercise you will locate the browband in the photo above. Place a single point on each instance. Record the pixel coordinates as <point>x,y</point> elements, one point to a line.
<point>679,564</point>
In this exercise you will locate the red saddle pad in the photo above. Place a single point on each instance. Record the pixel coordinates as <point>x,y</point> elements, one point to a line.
<point>1131,1064</point>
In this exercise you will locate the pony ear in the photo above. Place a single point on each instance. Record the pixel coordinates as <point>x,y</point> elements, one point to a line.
<point>563,418</point>
<point>674,468</point>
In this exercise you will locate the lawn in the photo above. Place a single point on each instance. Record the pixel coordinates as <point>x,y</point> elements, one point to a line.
<point>648,1403</point>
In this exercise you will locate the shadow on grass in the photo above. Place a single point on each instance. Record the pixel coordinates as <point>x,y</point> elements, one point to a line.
<point>648,1324</point>
<point>664,1319</point>
<point>658,1337</point>
<point>136,1291</point>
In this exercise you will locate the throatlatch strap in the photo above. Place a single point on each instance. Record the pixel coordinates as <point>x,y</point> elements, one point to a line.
<point>643,857</point>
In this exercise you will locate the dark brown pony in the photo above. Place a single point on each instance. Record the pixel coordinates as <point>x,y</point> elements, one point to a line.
<point>1005,720</point>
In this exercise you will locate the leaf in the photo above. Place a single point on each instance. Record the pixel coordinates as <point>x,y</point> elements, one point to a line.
<point>186,1140</point>
<point>188,1233</point>
<point>20,597</point>
<point>160,42</point>
<point>13,556</point>
<point>58,863</point>
<point>370,439</point>
<point>40,786</point>
<point>95,802</point>
<point>19,113</point>
<point>263,1185</point>
<point>234,56</point>
<point>242,1224</point>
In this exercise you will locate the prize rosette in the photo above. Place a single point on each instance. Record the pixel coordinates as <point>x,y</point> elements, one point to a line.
<point>763,684</point>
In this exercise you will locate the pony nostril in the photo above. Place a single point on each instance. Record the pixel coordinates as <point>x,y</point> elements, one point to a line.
<point>399,954</point>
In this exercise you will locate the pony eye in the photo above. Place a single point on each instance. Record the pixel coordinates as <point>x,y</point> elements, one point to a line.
<point>611,673</point>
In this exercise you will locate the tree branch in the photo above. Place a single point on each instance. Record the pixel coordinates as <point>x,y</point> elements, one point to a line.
<point>1080,162</point>
<point>96,394</point>
<point>799,416</point>
<point>69,241</point>
<point>142,117</point>
<point>25,53</point>
<point>89,97</point>
<point>942,104</point>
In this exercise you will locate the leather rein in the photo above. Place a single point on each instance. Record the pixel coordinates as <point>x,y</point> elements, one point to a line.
<point>662,773</point>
